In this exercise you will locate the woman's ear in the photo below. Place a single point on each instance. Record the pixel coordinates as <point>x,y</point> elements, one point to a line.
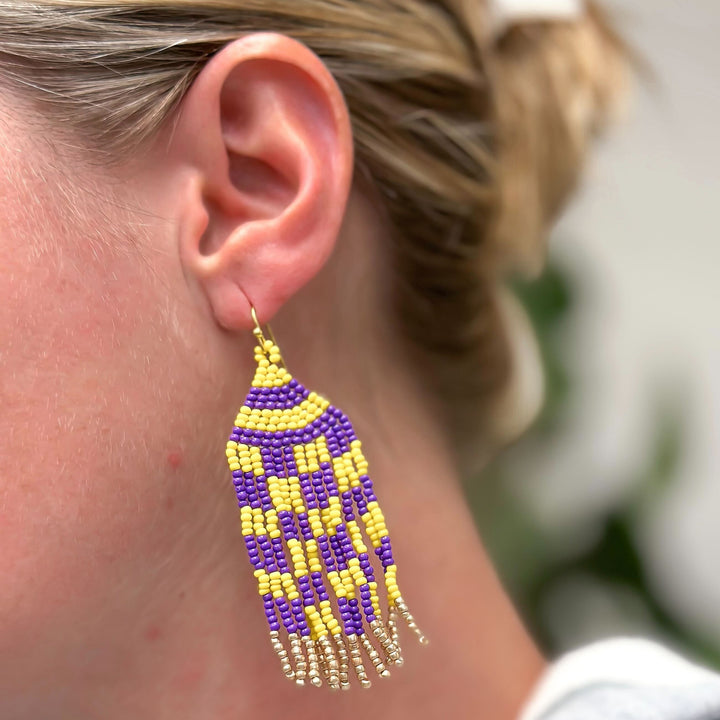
<point>265,136</point>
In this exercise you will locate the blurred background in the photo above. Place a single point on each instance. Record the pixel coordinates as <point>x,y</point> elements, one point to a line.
<point>604,518</point>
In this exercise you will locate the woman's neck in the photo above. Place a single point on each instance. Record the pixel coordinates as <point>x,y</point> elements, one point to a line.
<point>186,638</point>
<point>205,651</point>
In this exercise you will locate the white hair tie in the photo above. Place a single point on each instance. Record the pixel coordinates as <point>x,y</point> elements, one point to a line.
<point>505,13</point>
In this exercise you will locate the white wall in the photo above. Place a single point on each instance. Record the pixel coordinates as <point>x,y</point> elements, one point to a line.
<point>644,239</point>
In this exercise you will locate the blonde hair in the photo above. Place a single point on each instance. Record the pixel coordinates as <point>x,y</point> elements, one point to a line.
<point>473,143</point>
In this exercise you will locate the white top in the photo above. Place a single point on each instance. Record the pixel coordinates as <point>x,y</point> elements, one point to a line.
<point>625,679</point>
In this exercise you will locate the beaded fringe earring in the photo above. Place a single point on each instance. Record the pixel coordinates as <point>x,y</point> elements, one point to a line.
<point>301,479</point>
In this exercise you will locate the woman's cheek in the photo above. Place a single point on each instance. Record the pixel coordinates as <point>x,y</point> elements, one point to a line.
<point>79,418</point>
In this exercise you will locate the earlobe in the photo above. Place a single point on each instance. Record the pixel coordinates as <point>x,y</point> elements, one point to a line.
<point>265,134</point>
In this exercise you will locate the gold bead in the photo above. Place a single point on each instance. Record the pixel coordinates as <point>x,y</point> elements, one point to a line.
<point>357,661</point>
<point>405,615</point>
<point>313,664</point>
<point>392,651</point>
<point>374,656</point>
<point>282,654</point>
<point>300,662</point>
<point>343,662</point>
<point>329,663</point>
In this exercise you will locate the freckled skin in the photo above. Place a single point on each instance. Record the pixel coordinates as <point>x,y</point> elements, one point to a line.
<point>91,365</point>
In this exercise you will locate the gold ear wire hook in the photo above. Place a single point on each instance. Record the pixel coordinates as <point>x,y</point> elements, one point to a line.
<point>257,331</point>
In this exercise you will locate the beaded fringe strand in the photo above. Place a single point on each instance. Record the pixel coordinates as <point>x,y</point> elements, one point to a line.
<point>301,480</point>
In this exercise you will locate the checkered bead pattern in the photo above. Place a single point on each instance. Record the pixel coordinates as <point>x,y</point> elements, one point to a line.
<point>307,510</point>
